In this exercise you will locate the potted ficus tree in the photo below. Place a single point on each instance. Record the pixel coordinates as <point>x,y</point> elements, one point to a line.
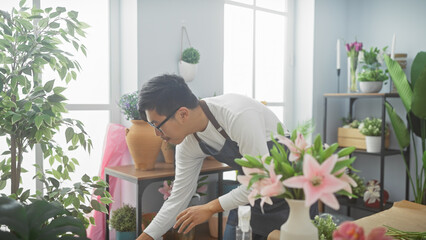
<point>31,109</point>
<point>413,97</point>
<point>372,76</point>
<point>188,64</point>
<point>371,129</point>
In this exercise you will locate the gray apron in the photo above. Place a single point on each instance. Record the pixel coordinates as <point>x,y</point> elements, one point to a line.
<point>275,215</point>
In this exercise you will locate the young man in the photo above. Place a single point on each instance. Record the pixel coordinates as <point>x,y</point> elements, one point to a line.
<point>225,127</point>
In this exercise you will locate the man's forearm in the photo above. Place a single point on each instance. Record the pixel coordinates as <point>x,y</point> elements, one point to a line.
<point>214,206</point>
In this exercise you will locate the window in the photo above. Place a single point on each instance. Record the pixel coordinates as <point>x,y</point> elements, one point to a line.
<point>256,34</point>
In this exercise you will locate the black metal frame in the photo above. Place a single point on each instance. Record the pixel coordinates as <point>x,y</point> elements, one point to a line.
<point>383,152</point>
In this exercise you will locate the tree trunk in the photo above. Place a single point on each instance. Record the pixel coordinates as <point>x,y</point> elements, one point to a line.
<point>14,177</point>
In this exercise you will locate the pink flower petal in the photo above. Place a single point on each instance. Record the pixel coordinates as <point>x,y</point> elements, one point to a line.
<point>290,145</point>
<point>295,182</point>
<point>328,165</point>
<point>310,166</point>
<point>330,200</point>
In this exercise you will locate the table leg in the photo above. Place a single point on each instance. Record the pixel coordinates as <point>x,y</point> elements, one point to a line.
<point>138,209</point>
<point>107,214</point>
<point>219,193</point>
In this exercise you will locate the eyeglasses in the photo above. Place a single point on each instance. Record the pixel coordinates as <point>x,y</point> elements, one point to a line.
<point>163,122</point>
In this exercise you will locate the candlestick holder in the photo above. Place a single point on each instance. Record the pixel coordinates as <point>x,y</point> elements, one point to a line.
<point>338,80</point>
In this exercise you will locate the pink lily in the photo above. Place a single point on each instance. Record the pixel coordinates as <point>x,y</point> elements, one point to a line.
<point>271,186</point>
<point>296,148</point>
<point>166,190</point>
<point>317,181</point>
<point>245,180</point>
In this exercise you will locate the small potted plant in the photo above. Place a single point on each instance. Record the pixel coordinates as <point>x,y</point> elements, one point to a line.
<point>144,145</point>
<point>325,225</point>
<point>371,129</point>
<point>188,64</point>
<point>123,220</point>
<point>372,76</point>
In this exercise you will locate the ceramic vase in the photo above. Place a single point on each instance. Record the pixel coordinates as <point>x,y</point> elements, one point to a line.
<point>373,143</point>
<point>370,87</point>
<point>168,151</point>
<point>298,225</point>
<point>187,70</point>
<point>143,144</point>
<point>125,235</point>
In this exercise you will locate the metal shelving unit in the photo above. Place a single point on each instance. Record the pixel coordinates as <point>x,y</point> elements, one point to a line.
<point>353,97</point>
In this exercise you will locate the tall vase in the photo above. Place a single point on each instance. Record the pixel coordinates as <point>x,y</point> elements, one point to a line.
<point>298,225</point>
<point>168,151</point>
<point>352,66</point>
<point>143,144</point>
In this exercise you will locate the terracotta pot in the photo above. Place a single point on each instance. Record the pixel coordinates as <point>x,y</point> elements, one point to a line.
<point>143,144</point>
<point>168,151</point>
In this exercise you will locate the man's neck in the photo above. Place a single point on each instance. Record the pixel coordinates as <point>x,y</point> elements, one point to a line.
<point>199,121</point>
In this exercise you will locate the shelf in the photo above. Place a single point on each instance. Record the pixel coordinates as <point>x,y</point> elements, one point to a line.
<point>361,95</point>
<point>387,152</point>
<point>359,204</point>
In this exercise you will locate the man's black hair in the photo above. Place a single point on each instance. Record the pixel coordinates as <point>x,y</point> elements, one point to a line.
<point>165,94</point>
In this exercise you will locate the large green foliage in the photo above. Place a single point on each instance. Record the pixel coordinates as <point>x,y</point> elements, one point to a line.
<point>413,97</point>
<point>31,110</point>
<point>39,220</point>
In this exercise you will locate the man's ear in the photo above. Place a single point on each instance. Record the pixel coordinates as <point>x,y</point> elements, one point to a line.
<point>182,114</point>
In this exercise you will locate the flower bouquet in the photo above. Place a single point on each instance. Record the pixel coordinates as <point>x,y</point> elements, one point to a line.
<point>353,50</point>
<point>307,172</point>
<point>129,106</point>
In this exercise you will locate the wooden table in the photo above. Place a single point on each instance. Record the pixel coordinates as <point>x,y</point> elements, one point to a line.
<point>162,171</point>
<point>403,215</point>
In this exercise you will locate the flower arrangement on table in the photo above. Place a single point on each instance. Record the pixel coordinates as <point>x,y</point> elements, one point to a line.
<point>129,105</point>
<point>353,50</point>
<point>166,190</point>
<point>308,173</point>
<point>372,127</point>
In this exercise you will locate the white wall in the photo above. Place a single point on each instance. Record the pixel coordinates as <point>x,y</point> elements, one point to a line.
<point>159,40</point>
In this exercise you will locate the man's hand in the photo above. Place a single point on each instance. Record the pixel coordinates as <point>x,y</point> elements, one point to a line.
<point>192,216</point>
<point>144,236</point>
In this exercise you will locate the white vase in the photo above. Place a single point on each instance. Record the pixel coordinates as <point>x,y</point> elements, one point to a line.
<point>370,87</point>
<point>187,70</point>
<point>374,143</point>
<point>298,225</point>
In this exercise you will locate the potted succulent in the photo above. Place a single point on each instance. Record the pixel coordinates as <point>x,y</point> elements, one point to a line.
<point>371,129</point>
<point>143,144</point>
<point>38,220</point>
<point>372,76</point>
<point>31,108</point>
<point>412,95</point>
<point>123,220</point>
<point>188,64</point>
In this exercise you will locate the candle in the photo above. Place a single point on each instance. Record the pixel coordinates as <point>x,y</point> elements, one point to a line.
<point>338,53</point>
<point>393,47</point>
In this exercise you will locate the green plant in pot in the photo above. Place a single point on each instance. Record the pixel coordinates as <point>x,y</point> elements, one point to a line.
<point>188,64</point>
<point>372,76</point>
<point>123,220</point>
<point>359,190</point>
<point>31,109</point>
<point>38,220</point>
<point>372,129</point>
<point>413,97</point>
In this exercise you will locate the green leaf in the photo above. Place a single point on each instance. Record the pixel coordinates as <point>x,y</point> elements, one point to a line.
<point>95,205</point>
<point>345,152</point>
<point>54,25</point>
<point>58,90</point>
<point>38,121</point>
<point>27,106</point>
<point>329,151</point>
<point>399,127</point>
<point>343,163</point>
<point>56,174</point>
<point>280,129</point>
<point>254,161</point>
<point>26,24</point>
<point>106,200</point>
<point>16,117</point>
<point>61,9</point>
<point>56,98</point>
<point>76,46</point>
<point>13,215</point>
<point>400,80</point>
<point>85,178</point>
<point>2,184</point>
<point>49,85</point>
<point>24,196</point>
<point>417,67</point>
<point>74,140</point>
<point>418,105</point>
<point>69,133</point>
<point>243,163</point>
<point>73,14</point>
<point>43,22</point>
<point>21,3</point>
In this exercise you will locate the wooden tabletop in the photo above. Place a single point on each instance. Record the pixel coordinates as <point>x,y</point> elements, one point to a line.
<point>361,94</point>
<point>162,170</point>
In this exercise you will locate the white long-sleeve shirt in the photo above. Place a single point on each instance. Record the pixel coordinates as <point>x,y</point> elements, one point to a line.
<point>247,122</point>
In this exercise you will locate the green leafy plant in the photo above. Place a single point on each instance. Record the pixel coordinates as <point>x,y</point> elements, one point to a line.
<point>372,127</point>
<point>371,71</point>
<point>325,226</point>
<point>124,219</point>
<point>413,97</point>
<point>38,220</point>
<point>359,190</point>
<point>191,55</point>
<point>129,106</point>
<point>31,110</point>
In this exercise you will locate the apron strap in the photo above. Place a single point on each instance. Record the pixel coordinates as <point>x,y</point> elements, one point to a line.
<point>212,119</point>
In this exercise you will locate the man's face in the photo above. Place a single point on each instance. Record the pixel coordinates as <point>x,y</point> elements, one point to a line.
<point>169,128</point>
